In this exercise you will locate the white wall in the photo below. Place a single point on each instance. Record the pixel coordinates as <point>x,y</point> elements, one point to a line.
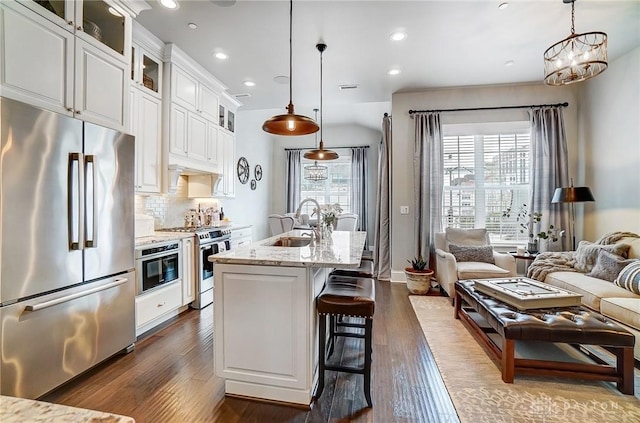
<point>403,239</point>
<point>334,136</point>
<point>252,207</point>
<point>609,133</point>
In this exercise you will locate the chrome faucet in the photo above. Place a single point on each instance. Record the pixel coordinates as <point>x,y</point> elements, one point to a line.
<point>318,230</point>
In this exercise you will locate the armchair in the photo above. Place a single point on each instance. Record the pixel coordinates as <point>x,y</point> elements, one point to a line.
<point>449,270</point>
<point>279,224</point>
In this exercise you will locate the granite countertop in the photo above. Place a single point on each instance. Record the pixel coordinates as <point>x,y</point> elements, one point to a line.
<point>162,237</point>
<point>344,249</point>
<point>20,410</point>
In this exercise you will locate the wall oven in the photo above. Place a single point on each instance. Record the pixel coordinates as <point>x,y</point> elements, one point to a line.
<point>157,264</point>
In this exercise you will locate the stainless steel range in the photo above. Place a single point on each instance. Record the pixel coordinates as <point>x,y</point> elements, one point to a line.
<point>209,240</point>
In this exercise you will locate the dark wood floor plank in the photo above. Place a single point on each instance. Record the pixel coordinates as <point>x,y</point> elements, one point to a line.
<point>169,377</point>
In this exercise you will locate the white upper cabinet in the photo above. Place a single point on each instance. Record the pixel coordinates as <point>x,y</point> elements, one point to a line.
<point>192,136</point>
<point>146,108</point>
<point>69,57</point>
<point>193,94</point>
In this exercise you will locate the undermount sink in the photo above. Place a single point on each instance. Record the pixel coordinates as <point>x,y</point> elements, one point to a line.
<point>292,241</point>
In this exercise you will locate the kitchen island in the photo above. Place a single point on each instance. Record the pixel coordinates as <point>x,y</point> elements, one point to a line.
<point>265,325</point>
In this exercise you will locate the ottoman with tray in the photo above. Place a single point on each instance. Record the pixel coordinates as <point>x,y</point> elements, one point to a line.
<point>498,326</point>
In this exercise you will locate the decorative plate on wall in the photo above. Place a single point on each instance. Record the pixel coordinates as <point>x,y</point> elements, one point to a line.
<point>253,184</point>
<point>243,170</point>
<point>258,172</point>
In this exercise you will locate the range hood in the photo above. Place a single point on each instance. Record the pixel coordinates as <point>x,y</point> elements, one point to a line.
<point>199,184</point>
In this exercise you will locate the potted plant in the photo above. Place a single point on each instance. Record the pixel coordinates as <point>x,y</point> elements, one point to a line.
<point>418,276</point>
<point>527,221</point>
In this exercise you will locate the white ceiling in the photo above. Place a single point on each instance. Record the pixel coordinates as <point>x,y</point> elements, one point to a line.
<point>450,43</point>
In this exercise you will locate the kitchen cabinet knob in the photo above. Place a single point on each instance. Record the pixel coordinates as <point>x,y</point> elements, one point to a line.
<point>79,28</point>
<point>161,304</point>
<point>77,112</point>
<point>69,109</point>
<point>70,23</point>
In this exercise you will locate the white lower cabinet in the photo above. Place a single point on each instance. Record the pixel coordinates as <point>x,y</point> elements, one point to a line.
<point>241,237</point>
<point>188,268</point>
<point>153,306</point>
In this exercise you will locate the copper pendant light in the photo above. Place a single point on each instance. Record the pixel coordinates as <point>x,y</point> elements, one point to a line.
<point>316,172</point>
<point>321,153</point>
<point>290,123</point>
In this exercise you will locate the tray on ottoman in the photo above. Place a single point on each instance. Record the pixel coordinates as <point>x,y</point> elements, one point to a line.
<point>525,293</point>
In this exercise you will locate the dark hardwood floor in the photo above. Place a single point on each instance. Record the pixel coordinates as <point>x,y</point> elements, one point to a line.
<point>169,377</point>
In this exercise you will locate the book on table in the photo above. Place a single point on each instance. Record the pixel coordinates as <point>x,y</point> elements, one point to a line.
<point>524,293</point>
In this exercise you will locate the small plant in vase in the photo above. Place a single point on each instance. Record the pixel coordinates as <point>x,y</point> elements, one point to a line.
<point>418,276</point>
<point>526,221</point>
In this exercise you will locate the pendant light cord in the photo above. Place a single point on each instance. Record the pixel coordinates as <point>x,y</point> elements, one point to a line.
<point>321,107</point>
<point>290,52</point>
<point>573,16</point>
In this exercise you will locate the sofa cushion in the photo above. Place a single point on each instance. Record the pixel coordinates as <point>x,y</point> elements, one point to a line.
<point>459,236</point>
<point>609,265</point>
<point>481,253</point>
<point>478,270</point>
<point>587,254</point>
<point>591,289</point>
<point>629,277</point>
<point>634,243</point>
<point>624,310</point>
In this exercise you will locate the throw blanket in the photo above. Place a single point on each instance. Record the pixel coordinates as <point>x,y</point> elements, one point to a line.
<point>549,262</point>
<point>564,261</point>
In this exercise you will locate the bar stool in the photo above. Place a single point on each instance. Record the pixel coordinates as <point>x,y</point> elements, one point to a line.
<point>349,297</point>
<point>365,270</point>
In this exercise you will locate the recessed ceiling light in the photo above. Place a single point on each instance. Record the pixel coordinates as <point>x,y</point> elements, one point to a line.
<point>394,72</point>
<point>503,6</point>
<point>398,36</point>
<point>192,25</point>
<point>222,56</point>
<point>509,63</point>
<point>281,79</point>
<point>114,12</point>
<point>249,83</point>
<point>169,4</point>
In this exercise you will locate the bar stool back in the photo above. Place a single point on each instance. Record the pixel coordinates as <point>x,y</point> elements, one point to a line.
<point>346,296</point>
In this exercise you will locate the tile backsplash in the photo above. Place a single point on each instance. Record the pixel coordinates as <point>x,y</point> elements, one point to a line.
<point>168,210</point>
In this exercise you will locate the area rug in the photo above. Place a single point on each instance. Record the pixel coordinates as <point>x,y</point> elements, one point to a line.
<point>475,385</point>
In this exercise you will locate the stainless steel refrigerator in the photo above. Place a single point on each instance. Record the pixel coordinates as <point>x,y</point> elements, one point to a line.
<point>66,246</point>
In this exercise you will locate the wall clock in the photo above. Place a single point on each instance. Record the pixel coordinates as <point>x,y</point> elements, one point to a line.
<point>253,184</point>
<point>258,172</point>
<point>243,170</point>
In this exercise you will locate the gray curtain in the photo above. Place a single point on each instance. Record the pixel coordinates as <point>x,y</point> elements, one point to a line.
<point>382,251</point>
<point>428,172</point>
<point>293,179</point>
<point>549,167</point>
<point>359,197</point>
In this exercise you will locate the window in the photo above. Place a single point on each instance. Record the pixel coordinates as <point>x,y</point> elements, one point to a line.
<point>486,172</point>
<point>335,189</point>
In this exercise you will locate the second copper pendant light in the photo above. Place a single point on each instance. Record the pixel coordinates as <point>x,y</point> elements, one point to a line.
<point>320,153</point>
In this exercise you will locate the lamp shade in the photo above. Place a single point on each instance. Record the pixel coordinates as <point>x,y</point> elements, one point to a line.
<point>290,124</point>
<point>572,195</point>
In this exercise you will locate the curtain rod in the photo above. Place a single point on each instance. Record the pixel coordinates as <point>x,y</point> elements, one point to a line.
<point>311,148</point>
<point>565,104</point>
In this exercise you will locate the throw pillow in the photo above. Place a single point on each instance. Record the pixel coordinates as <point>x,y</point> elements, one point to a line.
<point>472,253</point>
<point>466,236</point>
<point>587,254</point>
<point>608,266</point>
<point>629,277</point>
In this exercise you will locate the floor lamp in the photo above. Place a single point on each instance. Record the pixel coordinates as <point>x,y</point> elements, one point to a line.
<point>572,195</point>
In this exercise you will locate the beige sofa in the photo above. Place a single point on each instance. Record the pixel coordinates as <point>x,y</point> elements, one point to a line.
<point>612,301</point>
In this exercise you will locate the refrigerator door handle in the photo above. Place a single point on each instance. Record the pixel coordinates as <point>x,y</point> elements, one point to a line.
<point>51,303</point>
<point>74,204</point>
<point>90,198</point>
